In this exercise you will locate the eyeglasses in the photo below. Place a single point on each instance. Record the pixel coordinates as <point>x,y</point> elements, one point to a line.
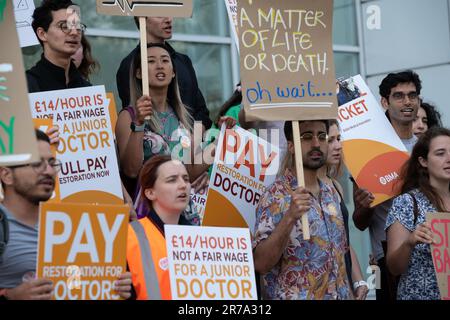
<point>400,96</point>
<point>67,27</point>
<point>308,136</point>
<point>40,166</point>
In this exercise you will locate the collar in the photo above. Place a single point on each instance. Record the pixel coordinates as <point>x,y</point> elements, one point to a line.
<point>156,220</point>
<point>292,181</point>
<point>9,216</point>
<point>45,67</point>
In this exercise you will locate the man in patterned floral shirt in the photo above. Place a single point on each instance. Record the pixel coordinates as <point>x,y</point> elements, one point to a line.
<point>293,268</point>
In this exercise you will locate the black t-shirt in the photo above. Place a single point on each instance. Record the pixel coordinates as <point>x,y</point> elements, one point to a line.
<point>45,76</point>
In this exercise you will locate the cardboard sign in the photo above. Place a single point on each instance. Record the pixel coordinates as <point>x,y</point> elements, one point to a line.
<point>286,55</point>
<point>209,263</point>
<point>440,250</point>
<point>82,249</point>
<point>145,8</point>
<point>232,16</point>
<point>89,172</point>
<point>23,11</point>
<point>373,152</point>
<point>244,165</point>
<point>17,138</point>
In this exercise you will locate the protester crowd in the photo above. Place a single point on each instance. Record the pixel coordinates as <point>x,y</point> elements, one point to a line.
<point>159,187</point>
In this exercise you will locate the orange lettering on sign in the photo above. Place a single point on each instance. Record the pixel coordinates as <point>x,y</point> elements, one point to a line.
<point>354,110</point>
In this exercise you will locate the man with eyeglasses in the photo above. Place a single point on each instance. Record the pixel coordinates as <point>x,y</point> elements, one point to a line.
<point>293,268</point>
<point>24,187</point>
<point>58,28</point>
<point>400,97</point>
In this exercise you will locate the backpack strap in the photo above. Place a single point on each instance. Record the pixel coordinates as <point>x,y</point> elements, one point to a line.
<point>4,232</point>
<point>416,207</point>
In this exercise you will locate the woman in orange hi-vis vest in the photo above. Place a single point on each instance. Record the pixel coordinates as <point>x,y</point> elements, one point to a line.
<point>166,189</point>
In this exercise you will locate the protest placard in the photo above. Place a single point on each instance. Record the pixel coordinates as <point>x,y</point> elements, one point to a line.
<point>23,11</point>
<point>373,152</point>
<point>82,249</point>
<point>17,138</point>
<point>89,171</point>
<point>286,56</point>
<point>210,263</point>
<point>440,250</point>
<point>199,201</point>
<point>232,16</point>
<point>145,8</point>
<point>112,111</point>
<point>244,165</point>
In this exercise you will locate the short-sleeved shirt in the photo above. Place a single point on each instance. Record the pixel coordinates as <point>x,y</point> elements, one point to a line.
<point>308,269</point>
<point>419,282</point>
<point>20,254</point>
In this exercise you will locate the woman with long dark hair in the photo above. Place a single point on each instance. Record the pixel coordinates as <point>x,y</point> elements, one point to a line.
<point>425,188</point>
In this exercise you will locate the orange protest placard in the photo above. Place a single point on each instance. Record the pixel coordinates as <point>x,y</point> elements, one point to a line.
<point>82,249</point>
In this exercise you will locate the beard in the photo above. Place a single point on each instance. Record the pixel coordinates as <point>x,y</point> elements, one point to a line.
<point>314,164</point>
<point>34,193</point>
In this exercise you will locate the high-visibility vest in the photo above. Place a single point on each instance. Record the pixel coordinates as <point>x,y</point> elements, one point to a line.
<point>147,261</point>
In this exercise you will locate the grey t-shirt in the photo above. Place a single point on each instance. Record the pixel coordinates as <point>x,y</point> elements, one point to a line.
<point>20,253</point>
<point>378,222</point>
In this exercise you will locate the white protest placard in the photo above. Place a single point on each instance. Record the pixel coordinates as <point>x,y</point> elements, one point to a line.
<point>199,201</point>
<point>244,165</point>
<point>210,263</point>
<point>23,11</point>
<point>232,16</point>
<point>373,152</point>
<point>89,172</point>
<point>145,8</point>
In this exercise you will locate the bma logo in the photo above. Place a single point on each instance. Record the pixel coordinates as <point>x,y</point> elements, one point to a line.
<point>373,21</point>
<point>374,280</point>
<point>388,178</point>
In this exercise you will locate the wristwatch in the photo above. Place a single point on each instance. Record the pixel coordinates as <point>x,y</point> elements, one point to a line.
<point>358,284</point>
<point>135,128</point>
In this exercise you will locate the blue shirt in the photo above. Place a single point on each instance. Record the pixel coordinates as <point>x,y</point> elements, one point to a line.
<point>419,282</point>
